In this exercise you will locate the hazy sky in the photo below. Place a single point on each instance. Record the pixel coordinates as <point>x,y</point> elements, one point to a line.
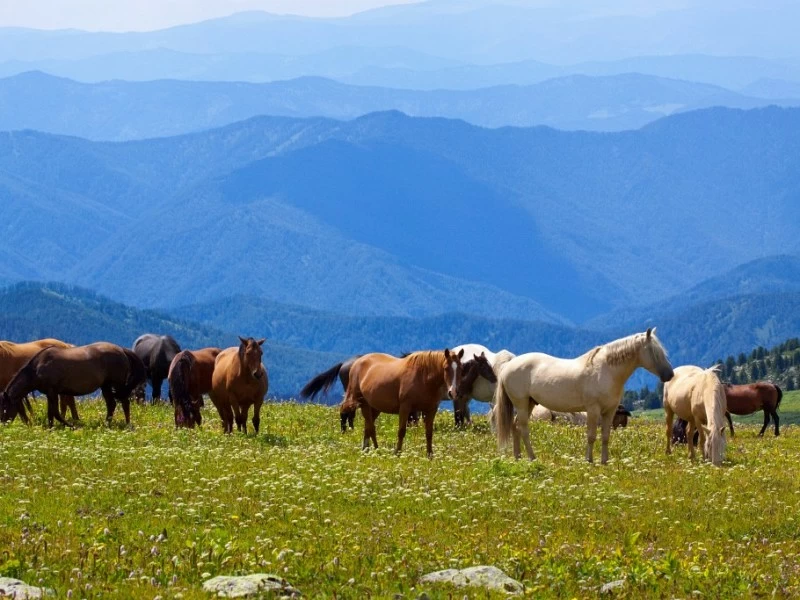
<point>122,15</point>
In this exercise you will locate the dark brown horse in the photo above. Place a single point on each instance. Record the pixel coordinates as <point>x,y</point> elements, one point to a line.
<point>621,417</point>
<point>156,352</point>
<point>239,382</point>
<point>15,356</point>
<point>752,397</point>
<point>382,383</point>
<point>189,378</point>
<point>75,372</point>
<point>477,366</point>
<point>679,432</point>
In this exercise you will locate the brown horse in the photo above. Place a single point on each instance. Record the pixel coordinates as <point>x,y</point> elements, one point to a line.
<point>382,383</point>
<point>189,378</point>
<point>239,382</point>
<point>749,398</point>
<point>75,372</point>
<point>15,356</point>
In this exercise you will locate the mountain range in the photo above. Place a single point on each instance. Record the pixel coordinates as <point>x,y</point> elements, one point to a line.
<point>119,110</point>
<point>509,223</point>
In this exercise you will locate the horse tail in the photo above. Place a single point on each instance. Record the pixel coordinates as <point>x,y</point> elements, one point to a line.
<point>715,403</point>
<point>321,383</point>
<point>136,369</point>
<point>178,378</point>
<point>503,414</point>
<point>780,396</point>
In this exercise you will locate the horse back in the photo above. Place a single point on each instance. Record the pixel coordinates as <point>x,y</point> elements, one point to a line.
<point>83,369</point>
<point>376,376</point>
<point>748,398</point>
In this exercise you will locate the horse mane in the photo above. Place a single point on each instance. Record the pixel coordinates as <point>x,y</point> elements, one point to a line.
<point>714,401</point>
<point>426,359</point>
<point>622,350</point>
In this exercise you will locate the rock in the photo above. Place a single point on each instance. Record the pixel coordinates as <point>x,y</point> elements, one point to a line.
<point>250,585</point>
<point>490,578</point>
<point>19,590</point>
<point>609,587</point>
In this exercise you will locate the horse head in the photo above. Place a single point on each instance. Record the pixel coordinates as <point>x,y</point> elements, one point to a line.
<point>653,356</point>
<point>452,372</point>
<point>621,417</point>
<point>250,354</point>
<point>478,366</point>
<point>9,409</point>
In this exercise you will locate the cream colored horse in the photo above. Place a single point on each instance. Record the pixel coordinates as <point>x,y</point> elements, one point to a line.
<point>593,383</point>
<point>697,396</point>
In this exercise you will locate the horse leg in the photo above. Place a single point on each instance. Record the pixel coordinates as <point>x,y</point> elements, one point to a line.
<point>605,434</point>
<point>670,418</point>
<point>227,419</point>
<point>157,383</point>
<point>592,416</point>
<point>126,409</point>
<point>730,422</point>
<point>243,412</point>
<point>52,411</point>
<point>369,426</point>
<point>351,417</point>
<point>777,421</point>
<point>257,415</point>
<point>343,421</point>
<point>515,438</point>
<point>405,410</point>
<point>111,403</point>
<point>766,423</point>
<point>430,415</point>
<point>524,433</point>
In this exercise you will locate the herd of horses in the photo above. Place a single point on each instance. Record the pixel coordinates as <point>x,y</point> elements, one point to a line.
<point>584,390</point>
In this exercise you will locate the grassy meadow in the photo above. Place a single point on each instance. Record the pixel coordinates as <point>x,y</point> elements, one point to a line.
<point>150,511</point>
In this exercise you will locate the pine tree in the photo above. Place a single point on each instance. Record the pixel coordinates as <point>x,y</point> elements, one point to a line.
<point>755,371</point>
<point>742,359</point>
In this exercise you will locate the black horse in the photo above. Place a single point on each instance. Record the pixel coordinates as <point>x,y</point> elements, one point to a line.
<point>324,381</point>
<point>679,432</point>
<point>156,352</point>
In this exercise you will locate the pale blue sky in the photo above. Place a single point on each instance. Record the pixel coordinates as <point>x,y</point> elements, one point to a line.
<point>123,15</point>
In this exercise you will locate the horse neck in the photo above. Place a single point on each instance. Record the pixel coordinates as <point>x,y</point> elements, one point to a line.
<point>22,384</point>
<point>622,370</point>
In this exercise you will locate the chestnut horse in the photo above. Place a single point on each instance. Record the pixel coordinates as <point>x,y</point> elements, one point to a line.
<point>189,378</point>
<point>75,372</point>
<point>418,382</point>
<point>747,399</point>
<point>15,356</point>
<point>239,381</point>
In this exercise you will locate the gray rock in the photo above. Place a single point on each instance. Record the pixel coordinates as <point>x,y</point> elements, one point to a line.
<point>487,577</point>
<point>250,585</point>
<point>19,590</point>
<point>609,587</point>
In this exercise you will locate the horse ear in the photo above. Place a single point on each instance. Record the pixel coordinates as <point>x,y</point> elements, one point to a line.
<point>242,340</point>
<point>261,341</point>
<point>460,354</point>
<point>649,332</point>
<point>483,354</point>
<point>447,353</point>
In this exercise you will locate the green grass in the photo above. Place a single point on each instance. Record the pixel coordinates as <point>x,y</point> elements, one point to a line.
<point>789,412</point>
<point>83,510</point>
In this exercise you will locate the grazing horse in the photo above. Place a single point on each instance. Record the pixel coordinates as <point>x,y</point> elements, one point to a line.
<point>697,395</point>
<point>189,378</point>
<point>747,399</point>
<point>156,352</point>
<point>479,379</point>
<point>15,356</point>
<point>621,417</point>
<point>382,383</point>
<point>324,381</point>
<point>679,432</point>
<point>75,372</point>
<point>239,381</point>
<point>593,382</point>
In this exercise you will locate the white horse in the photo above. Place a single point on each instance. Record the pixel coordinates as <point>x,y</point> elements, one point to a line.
<point>540,413</point>
<point>478,380</point>
<point>698,396</point>
<point>593,383</point>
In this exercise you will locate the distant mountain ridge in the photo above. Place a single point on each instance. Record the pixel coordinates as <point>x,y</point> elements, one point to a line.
<point>118,110</point>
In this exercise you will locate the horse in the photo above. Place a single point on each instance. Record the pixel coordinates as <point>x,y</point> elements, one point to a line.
<point>747,399</point>
<point>323,382</point>
<point>621,417</point>
<point>697,396</point>
<point>382,383</point>
<point>593,382</point>
<point>15,356</point>
<point>479,378</point>
<point>157,353</point>
<point>679,432</point>
<point>238,382</point>
<point>189,377</point>
<point>75,372</point>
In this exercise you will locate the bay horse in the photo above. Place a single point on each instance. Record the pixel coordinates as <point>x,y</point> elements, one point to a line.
<point>15,356</point>
<point>749,398</point>
<point>697,396</point>
<point>593,382</point>
<point>75,372</point>
<point>156,352</point>
<point>189,377</point>
<point>382,383</point>
<point>322,382</point>
<point>238,382</point>
<point>479,379</point>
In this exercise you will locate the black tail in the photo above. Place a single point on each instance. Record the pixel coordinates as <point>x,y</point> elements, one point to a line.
<point>179,384</point>
<point>321,383</point>
<point>780,396</point>
<point>136,371</point>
